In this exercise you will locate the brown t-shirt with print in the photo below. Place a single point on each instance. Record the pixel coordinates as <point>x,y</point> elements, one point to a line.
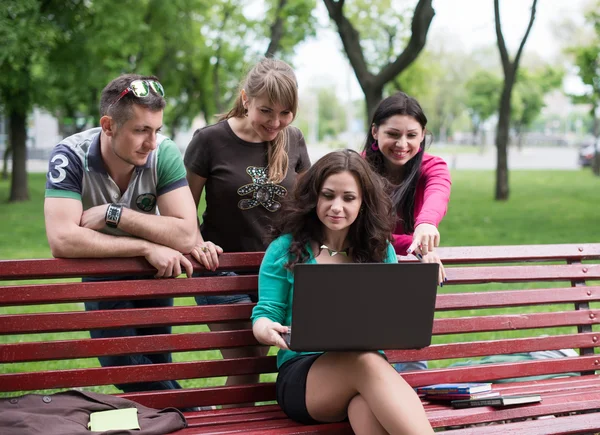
<point>240,203</point>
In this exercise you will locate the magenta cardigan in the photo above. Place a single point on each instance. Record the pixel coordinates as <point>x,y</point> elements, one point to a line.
<point>431,199</point>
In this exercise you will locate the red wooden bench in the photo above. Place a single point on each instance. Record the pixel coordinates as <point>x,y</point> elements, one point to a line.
<point>558,295</point>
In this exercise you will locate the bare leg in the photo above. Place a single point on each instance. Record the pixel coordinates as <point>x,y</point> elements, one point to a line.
<point>241,352</point>
<point>362,419</point>
<point>337,377</point>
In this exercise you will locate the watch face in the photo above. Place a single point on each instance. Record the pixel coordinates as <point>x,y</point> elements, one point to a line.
<point>113,213</point>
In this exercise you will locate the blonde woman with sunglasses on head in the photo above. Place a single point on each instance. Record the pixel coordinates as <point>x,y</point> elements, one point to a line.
<point>245,164</point>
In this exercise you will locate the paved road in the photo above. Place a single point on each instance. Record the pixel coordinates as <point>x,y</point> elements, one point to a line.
<point>528,158</point>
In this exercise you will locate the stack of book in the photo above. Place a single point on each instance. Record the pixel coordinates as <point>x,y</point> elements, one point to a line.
<point>469,395</point>
<point>449,392</point>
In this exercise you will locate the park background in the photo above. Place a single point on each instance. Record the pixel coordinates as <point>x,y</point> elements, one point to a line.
<point>57,57</point>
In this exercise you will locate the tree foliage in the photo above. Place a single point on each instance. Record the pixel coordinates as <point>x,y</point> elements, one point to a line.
<point>60,55</point>
<point>363,47</point>
<point>587,61</point>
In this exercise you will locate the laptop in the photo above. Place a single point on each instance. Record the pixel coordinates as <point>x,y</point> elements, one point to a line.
<point>362,306</point>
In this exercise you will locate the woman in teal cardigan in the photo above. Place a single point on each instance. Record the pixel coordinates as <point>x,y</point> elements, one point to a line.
<point>339,213</point>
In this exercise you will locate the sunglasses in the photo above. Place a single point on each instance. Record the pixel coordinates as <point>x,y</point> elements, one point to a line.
<point>141,89</point>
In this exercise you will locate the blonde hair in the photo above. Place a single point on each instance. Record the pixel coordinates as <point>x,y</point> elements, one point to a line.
<point>275,79</point>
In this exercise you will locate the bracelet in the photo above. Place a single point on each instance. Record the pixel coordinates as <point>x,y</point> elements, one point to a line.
<point>113,215</point>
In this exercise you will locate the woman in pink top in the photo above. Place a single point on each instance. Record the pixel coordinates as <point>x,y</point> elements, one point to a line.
<point>395,149</point>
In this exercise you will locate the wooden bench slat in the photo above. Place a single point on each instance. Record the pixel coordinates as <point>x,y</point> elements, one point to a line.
<point>87,348</point>
<point>146,344</point>
<point>549,405</point>
<point>276,414</point>
<point>551,386</point>
<point>572,424</point>
<point>140,317</point>
<point>515,298</point>
<point>495,347</point>
<point>134,289</point>
<point>513,253</point>
<point>262,427</point>
<point>487,274</point>
<point>262,392</point>
<point>514,321</point>
<point>231,412</point>
<point>327,429</point>
<point>78,267</point>
<point>81,321</point>
<point>141,373</point>
<point>489,372</point>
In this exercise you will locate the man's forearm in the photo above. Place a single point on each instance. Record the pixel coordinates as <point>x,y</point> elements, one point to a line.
<point>85,243</point>
<point>174,232</point>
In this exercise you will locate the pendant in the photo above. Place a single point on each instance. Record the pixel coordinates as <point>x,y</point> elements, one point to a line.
<point>333,252</point>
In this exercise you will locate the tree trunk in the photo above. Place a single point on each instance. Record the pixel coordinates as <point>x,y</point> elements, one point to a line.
<point>373,96</point>
<point>596,159</point>
<point>475,139</point>
<point>502,190</point>
<point>510,75</point>
<point>371,84</point>
<point>7,154</point>
<point>19,190</point>
<point>276,31</point>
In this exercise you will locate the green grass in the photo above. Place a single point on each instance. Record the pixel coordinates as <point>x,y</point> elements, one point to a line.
<point>544,207</point>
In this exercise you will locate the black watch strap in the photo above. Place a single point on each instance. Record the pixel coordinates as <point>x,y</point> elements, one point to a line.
<point>113,215</point>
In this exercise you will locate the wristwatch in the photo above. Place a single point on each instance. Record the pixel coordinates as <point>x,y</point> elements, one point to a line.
<point>113,215</point>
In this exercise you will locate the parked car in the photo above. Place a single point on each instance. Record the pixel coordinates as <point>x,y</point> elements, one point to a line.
<point>586,154</point>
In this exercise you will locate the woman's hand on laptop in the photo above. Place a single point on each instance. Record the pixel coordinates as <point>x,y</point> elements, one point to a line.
<point>269,333</point>
<point>433,257</point>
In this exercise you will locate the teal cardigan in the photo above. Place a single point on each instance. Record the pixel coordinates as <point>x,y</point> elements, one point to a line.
<point>276,288</point>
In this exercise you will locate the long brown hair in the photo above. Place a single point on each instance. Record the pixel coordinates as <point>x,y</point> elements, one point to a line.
<point>275,79</point>
<point>403,194</point>
<point>369,234</point>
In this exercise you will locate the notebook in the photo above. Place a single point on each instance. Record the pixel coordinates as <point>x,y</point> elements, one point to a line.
<point>363,306</point>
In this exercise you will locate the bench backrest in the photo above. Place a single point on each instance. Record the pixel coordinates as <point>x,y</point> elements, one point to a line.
<point>482,310</point>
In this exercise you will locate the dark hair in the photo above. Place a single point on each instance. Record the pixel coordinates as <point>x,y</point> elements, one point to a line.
<point>403,194</point>
<point>369,233</point>
<point>276,80</point>
<point>122,111</point>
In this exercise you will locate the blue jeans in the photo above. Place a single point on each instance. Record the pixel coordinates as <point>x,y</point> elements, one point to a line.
<point>224,299</point>
<point>130,360</point>
<point>412,365</point>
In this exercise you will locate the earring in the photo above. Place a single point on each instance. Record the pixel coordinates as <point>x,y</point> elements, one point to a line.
<point>374,146</point>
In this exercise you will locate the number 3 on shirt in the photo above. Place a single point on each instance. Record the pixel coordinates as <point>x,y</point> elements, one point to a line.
<point>64,162</point>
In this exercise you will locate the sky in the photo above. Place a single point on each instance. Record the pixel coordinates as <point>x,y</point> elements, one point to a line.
<point>467,23</point>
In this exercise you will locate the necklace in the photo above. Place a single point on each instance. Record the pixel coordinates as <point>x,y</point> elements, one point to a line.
<point>333,252</point>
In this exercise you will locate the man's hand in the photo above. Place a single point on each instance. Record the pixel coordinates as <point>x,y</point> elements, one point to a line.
<point>426,237</point>
<point>207,254</point>
<point>94,218</point>
<point>168,262</point>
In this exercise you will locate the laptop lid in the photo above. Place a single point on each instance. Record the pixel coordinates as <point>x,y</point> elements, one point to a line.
<point>363,306</point>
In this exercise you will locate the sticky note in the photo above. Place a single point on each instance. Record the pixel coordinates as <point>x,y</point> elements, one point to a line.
<point>116,419</point>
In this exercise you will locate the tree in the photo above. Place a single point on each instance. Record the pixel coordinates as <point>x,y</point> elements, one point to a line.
<point>60,55</point>
<point>392,65</point>
<point>530,90</point>
<point>291,21</point>
<point>587,60</point>
<point>28,31</point>
<point>510,74</point>
<point>483,94</point>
